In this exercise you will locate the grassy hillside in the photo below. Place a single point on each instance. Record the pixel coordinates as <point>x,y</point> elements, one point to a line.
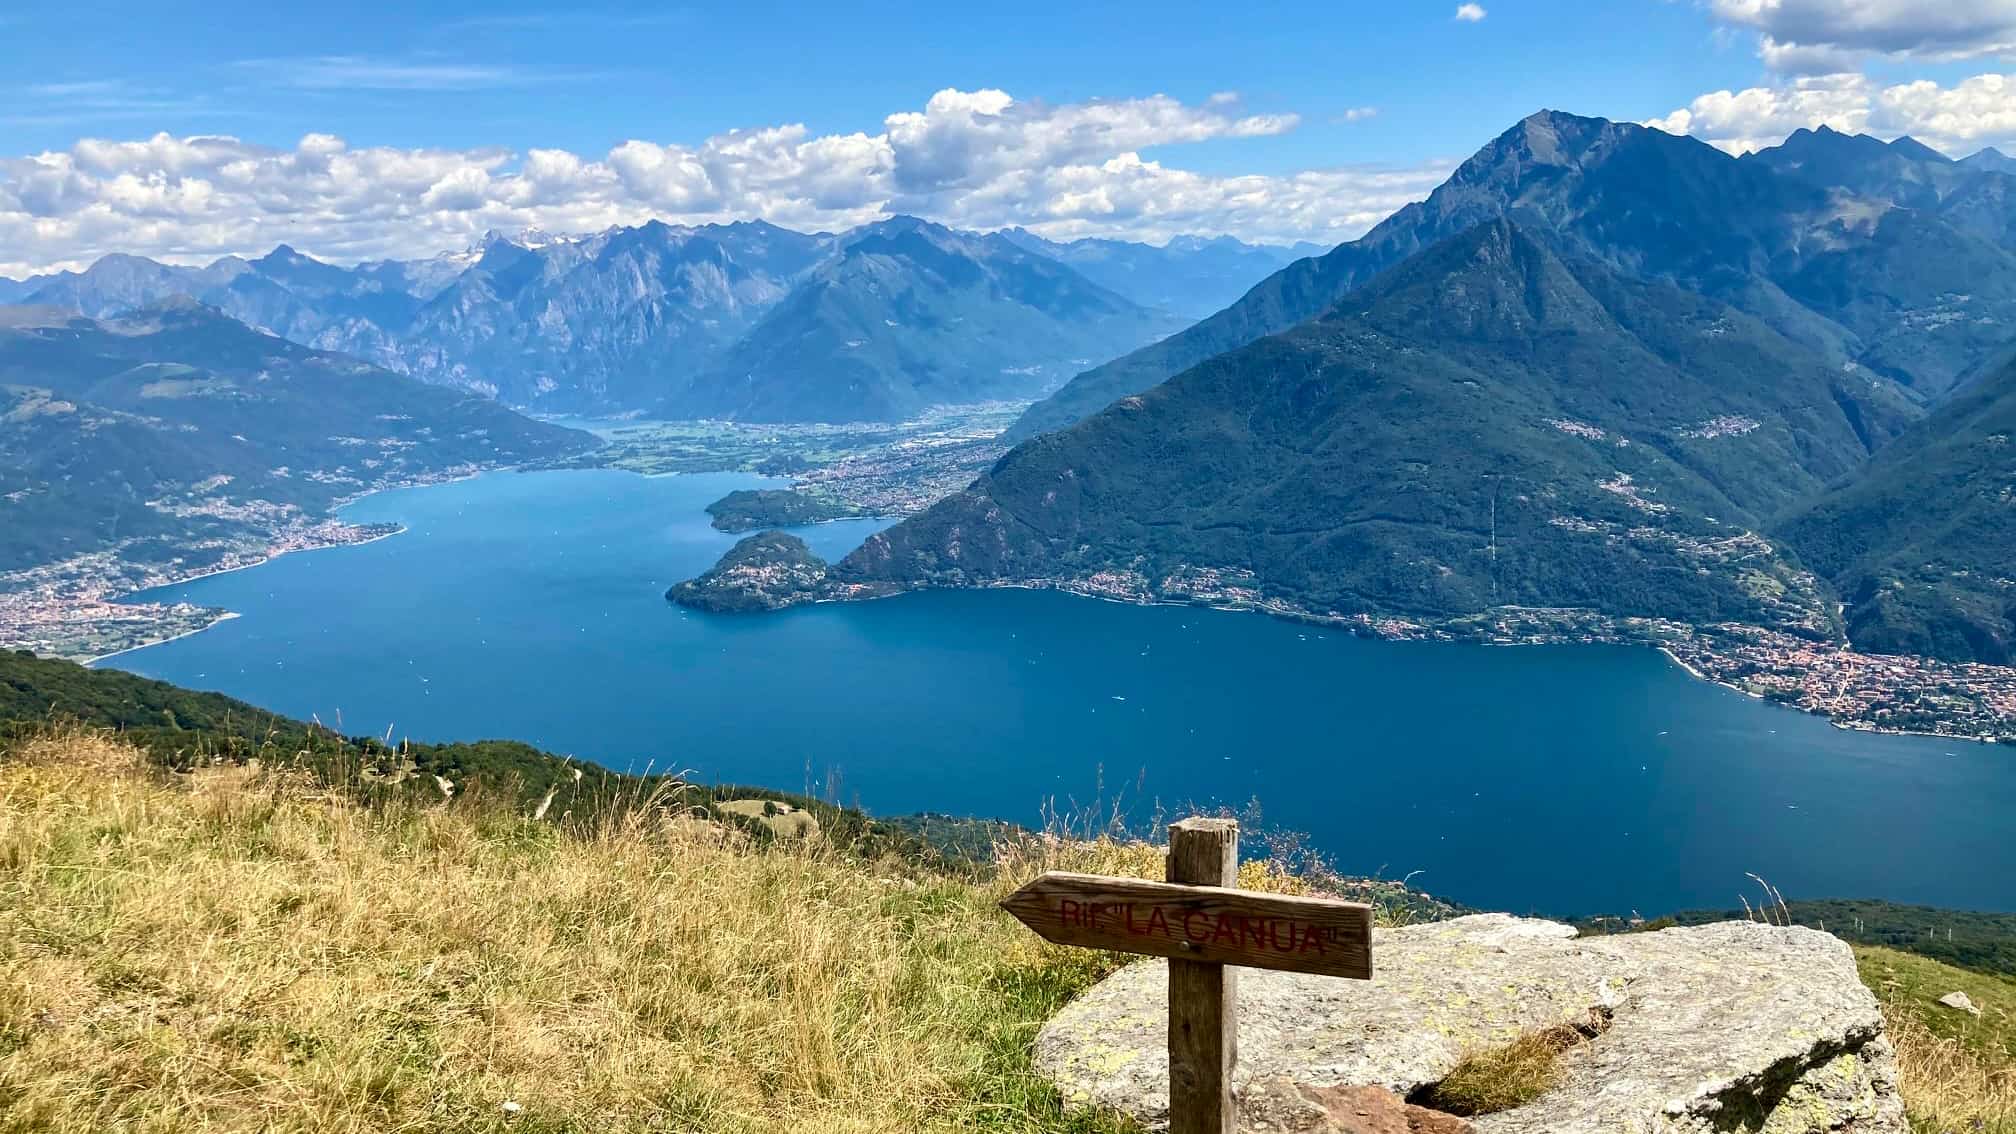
<point>1958,1070</point>
<point>183,729</point>
<point>232,949</point>
<point>238,949</point>
<point>214,919</point>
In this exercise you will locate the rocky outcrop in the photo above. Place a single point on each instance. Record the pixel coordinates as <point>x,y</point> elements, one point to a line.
<point>1737,1026</point>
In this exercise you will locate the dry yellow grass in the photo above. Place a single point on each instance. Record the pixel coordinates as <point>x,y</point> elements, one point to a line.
<point>237,952</point>
<point>244,951</point>
<point>1949,1089</point>
<point>1491,1079</point>
<point>1957,1070</point>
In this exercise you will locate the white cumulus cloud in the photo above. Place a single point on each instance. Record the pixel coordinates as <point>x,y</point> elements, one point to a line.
<point>980,159</point>
<point>1958,119</point>
<point>1471,13</point>
<point>1818,36</point>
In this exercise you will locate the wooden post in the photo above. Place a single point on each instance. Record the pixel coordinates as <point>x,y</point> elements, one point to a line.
<point>1203,997</point>
<point>1206,926</point>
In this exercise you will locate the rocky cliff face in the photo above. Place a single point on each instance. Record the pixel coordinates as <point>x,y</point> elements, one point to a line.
<point>1737,1026</point>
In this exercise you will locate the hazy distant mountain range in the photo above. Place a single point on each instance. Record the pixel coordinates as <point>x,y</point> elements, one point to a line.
<point>1190,275</point>
<point>675,319</point>
<point>1601,368</point>
<point>907,315</point>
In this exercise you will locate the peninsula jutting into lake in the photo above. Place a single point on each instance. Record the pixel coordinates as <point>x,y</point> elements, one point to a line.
<point>531,606</point>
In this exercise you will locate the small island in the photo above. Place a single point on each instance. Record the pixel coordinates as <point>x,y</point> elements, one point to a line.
<point>768,571</point>
<point>747,509</point>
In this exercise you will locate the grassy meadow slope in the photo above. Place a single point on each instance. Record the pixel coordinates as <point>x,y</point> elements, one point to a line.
<point>239,949</point>
<point>1958,1070</point>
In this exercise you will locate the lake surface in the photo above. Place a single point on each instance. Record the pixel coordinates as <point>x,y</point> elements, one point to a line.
<point>1558,779</point>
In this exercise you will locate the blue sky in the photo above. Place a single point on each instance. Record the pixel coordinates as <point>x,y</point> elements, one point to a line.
<point>1278,122</point>
<point>532,74</point>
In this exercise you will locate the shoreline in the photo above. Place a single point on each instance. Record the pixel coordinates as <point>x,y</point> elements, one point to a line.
<point>224,614</point>
<point>1548,627</point>
<point>1357,628</point>
<point>398,529</point>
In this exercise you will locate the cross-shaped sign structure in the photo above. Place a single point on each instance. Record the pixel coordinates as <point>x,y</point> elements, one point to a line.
<point>1205,926</point>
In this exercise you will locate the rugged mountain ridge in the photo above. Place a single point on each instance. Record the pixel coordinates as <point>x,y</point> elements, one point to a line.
<point>1495,423</point>
<point>908,315</point>
<point>1900,290</point>
<point>623,320</point>
<point>612,321</point>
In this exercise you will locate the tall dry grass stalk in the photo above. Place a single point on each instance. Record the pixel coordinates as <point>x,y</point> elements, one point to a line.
<point>235,951</point>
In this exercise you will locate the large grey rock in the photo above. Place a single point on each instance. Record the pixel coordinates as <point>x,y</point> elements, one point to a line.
<point>1737,1026</point>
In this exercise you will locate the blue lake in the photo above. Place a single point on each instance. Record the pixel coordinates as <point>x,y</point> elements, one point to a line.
<point>1559,779</point>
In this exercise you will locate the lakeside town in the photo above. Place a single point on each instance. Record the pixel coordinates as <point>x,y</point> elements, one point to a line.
<point>80,608</point>
<point>1889,693</point>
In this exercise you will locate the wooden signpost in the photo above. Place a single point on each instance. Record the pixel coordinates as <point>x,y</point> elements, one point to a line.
<point>1205,927</point>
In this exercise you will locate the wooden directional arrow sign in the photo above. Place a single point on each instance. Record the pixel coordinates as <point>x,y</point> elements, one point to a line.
<point>1212,924</point>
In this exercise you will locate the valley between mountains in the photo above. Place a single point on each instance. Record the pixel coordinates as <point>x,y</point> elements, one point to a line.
<point>1605,383</point>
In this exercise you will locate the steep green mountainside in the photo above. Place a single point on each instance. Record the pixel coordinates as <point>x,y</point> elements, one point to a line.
<point>910,315</point>
<point>178,420</point>
<point>1489,425</point>
<point>1900,290</point>
<point>1921,542</point>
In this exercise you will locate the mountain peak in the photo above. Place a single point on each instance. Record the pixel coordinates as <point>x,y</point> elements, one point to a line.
<point>121,261</point>
<point>902,223</point>
<point>1990,159</point>
<point>1496,279</point>
<point>1918,151</point>
<point>1545,138</point>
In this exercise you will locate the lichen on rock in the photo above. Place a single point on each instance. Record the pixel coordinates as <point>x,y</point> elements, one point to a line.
<point>1731,1026</point>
